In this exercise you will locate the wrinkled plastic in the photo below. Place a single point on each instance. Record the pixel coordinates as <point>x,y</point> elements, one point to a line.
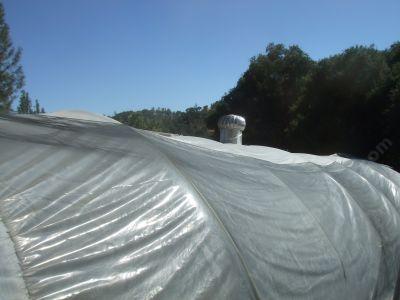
<point>103,211</point>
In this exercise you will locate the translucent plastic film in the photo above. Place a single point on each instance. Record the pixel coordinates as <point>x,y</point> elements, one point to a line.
<point>95,210</point>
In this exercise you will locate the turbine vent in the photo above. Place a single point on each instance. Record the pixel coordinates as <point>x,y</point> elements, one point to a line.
<point>231,128</point>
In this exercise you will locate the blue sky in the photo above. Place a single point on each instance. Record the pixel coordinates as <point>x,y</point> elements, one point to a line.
<point>114,55</point>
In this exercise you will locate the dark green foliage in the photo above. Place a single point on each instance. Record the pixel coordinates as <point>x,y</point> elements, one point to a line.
<point>265,93</point>
<point>37,107</point>
<point>11,74</point>
<point>391,112</point>
<point>346,98</point>
<point>190,122</point>
<point>348,103</point>
<point>25,105</point>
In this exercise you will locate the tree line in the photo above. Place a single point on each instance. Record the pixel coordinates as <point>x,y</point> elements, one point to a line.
<point>12,77</point>
<point>348,103</point>
<point>26,107</point>
<point>192,121</point>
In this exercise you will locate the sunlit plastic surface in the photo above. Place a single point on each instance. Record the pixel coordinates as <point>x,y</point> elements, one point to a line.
<point>96,210</point>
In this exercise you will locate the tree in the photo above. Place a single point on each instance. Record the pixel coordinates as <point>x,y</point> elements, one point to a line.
<point>37,107</point>
<point>11,74</point>
<point>346,96</point>
<point>391,114</point>
<point>25,104</point>
<point>264,94</point>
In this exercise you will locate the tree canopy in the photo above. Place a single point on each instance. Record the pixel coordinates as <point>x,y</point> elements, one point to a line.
<point>348,103</point>
<point>190,122</point>
<point>25,105</point>
<point>11,74</point>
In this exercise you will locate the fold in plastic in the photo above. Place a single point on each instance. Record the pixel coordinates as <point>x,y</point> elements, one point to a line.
<point>93,210</point>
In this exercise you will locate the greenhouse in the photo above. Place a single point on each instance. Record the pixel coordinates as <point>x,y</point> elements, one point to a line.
<point>94,209</point>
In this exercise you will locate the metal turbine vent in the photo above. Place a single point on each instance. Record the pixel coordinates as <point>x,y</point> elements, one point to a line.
<point>230,128</point>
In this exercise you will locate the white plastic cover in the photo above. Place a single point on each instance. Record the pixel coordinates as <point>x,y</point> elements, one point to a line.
<point>96,210</point>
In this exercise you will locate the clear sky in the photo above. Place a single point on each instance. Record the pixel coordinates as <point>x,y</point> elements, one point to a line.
<point>114,55</point>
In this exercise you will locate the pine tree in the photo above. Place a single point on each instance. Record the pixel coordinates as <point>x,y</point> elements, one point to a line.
<point>37,107</point>
<point>11,74</point>
<point>25,104</point>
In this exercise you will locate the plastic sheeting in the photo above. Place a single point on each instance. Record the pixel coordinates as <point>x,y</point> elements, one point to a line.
<point>96,210</point>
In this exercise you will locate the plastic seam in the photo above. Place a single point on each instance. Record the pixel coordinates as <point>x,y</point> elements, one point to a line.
<point>388,179</point>
<point>316,222</point>
<point>377,190</point>
<point>351,198</point>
